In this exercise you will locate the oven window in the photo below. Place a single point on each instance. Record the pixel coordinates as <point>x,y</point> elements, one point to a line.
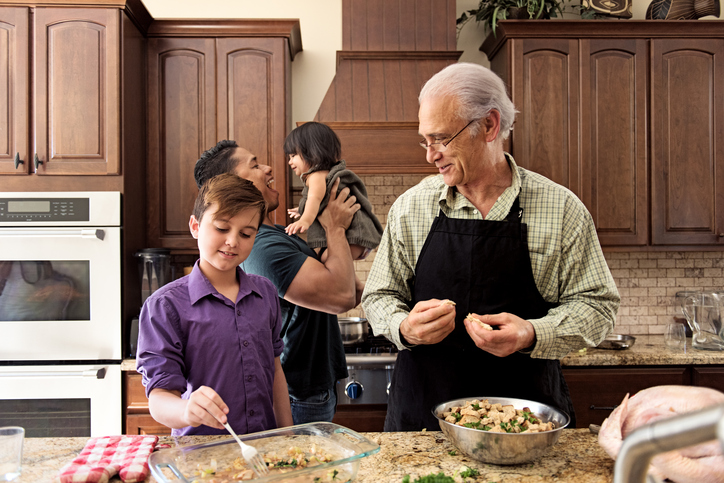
<point>37,290</point>
<point>48,418</point>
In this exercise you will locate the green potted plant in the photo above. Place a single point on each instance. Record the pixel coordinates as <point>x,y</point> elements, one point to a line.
<point>490,11</point>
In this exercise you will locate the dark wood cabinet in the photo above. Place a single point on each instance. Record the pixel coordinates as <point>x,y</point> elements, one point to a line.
<point>687,123</point>
<point>205,85</point>
<point>614,161</point>
<point>615,110</point>
<point>71,85</point>
<point>136,416</point>
<point>363,418</point>
<point>596,391</point>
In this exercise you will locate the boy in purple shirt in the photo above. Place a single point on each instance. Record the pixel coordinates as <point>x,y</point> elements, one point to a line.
<point>209,343</point>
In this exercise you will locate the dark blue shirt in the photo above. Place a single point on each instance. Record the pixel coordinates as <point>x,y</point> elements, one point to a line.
<point>313,357</point>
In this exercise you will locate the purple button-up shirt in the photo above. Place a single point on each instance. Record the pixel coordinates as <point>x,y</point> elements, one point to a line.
<point>190,336</point>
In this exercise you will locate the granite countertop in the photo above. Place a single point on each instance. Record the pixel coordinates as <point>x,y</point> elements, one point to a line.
<point>648,350</point>
<point>576,457</point>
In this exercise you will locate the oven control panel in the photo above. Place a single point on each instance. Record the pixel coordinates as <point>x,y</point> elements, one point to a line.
<point>25,210</point>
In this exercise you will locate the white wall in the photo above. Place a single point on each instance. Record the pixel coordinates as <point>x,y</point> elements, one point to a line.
<point>321,23</point>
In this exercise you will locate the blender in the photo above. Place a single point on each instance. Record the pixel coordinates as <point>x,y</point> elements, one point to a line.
<point>154,271</point>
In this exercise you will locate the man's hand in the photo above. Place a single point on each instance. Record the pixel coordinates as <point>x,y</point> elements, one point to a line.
<point>340,209</point>
<point>429,322</point>
<point>206,407</point>
<point>511,333</point>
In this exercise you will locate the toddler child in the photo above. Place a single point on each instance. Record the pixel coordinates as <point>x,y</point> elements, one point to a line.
<point>314,150</point>
<point>209,343</point>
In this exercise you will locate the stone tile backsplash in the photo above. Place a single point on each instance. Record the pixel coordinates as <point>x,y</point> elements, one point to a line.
<point>647,281</point>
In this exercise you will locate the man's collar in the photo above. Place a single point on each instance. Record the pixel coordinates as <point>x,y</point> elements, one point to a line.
<point>453,200</point>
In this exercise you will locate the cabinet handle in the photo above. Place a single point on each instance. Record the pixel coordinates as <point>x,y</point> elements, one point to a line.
<point>18,161</point>
<point>38,162</point>
<point>603,408</point>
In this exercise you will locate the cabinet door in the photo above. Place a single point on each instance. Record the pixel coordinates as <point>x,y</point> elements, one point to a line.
<point>14,88</point>
<point>613,138</point>
<point>253,85</point>
<point>76,93</point>
<point>545,89</point>
<point>709,376</point>
<point>687,152</point>
<point>181,126</point>
<point>597,391</point>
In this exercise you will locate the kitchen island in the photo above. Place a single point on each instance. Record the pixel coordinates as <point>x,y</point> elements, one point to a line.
<point>576,457</point>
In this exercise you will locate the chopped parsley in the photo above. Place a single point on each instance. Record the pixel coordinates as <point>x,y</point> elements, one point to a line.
<point>469,473</point>
<point>431,478</point>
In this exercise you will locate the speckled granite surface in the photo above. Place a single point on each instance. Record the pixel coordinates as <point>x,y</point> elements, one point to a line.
<point>648,350</point>
<point>576,457</point>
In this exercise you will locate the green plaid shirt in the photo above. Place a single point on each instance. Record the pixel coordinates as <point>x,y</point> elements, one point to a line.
<point>568,265</point>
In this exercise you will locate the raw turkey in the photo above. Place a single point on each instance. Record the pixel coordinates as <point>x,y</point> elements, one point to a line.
<point>703,463</point>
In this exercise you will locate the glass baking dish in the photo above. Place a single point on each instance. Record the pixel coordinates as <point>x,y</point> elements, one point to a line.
<point>346,447</point>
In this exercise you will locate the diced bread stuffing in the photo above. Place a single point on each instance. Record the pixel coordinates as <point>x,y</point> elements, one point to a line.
<point>496,418</point>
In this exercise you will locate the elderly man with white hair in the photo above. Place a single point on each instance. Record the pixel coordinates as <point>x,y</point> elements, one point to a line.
<point>504,246</point>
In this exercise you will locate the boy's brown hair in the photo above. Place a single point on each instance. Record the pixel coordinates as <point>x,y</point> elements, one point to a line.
<point>231,194</point>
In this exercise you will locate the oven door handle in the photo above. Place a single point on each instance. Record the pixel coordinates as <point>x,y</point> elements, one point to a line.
<point>55,232</point>
<point>91,373</point>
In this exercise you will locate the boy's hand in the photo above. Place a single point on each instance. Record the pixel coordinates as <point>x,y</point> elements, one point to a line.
<point>206,407</point>
<point>297,227</point>
<point>293,213</point>
<point>340,210</point>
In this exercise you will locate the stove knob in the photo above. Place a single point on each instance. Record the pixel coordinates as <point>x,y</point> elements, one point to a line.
<point>353,390</point>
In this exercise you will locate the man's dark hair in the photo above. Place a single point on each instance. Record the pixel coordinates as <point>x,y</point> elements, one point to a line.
<point>316,143</point>
<point>215,161</point>
<point>232,195</point>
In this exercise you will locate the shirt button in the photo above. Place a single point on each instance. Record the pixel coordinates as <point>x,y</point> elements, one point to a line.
<point>251,413</point>
<point>248,378</point>
<point>238,312</point>
<point>246,343</point>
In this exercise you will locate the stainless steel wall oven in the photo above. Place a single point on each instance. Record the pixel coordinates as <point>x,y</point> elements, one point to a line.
<point>60,313</point>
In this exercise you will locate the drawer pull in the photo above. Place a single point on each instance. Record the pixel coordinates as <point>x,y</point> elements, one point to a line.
<point>603,408</point>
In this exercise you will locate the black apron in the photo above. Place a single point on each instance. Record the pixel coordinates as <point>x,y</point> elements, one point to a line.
<point>484,267</point>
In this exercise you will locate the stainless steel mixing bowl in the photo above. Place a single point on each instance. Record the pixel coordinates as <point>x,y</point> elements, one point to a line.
<point>503,448</point>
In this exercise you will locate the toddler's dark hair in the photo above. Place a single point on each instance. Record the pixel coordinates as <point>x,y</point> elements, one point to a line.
<point>316,143</point>
<point>232,194</point>
<point>215,161</point>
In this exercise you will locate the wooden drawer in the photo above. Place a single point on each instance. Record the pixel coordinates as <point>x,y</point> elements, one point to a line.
<point>136,415</point>
<point>144,424</point>
<point>597,391</point>
<point>362,418</point>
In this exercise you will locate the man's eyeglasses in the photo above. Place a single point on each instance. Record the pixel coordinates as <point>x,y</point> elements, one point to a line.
<point>442,146</point>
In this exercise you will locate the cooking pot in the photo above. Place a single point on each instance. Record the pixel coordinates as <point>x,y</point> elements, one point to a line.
<point>354,329</point>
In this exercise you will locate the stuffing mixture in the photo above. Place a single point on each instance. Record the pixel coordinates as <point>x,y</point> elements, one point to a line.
<point>495,418</point>
<point>294,459</point>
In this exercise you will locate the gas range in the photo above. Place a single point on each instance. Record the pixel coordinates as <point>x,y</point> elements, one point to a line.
<point>375,350</point>
<point>370,364</point>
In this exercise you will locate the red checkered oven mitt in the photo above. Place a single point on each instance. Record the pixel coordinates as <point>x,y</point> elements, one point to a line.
<point>106,456</point>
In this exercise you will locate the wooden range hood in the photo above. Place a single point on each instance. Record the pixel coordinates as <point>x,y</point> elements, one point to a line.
<point>390,48</point>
